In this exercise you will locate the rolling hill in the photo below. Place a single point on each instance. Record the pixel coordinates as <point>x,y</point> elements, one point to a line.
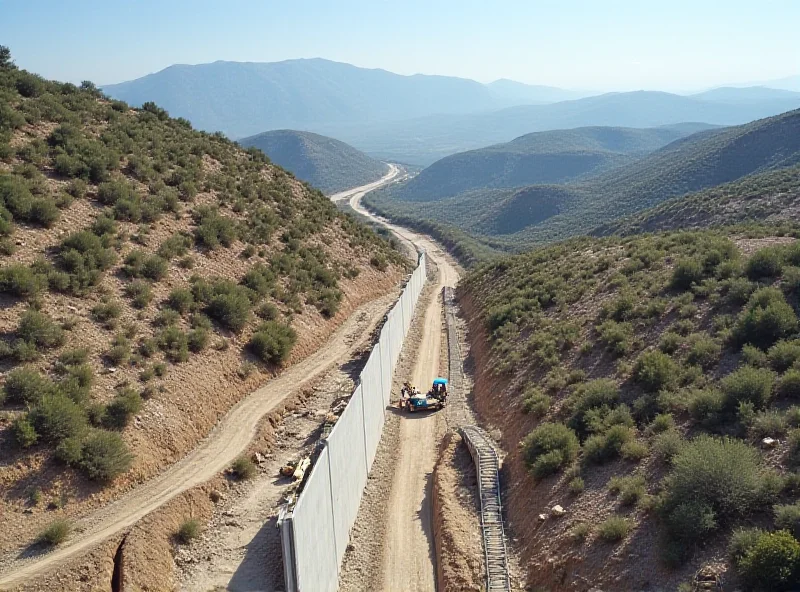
<point>325,163</point>
<point>515,218</point>
<point>773,197</point>
<point>427,139</point>
<point>555,156</point>
<point>147,270</point>
<point>635,380</point>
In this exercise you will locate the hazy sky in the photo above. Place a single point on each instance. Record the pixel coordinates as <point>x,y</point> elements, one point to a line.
<point>588,44</point>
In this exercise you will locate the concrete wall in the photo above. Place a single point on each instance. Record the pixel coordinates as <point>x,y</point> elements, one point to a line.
<point>315,534</point>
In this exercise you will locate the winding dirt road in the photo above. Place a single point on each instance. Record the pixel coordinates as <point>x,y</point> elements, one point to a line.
<point>212,456</point>
<point>409,563</point>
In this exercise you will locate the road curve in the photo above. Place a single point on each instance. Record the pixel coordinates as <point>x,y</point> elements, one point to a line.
<point>394,171</point>
<point>211,456</point>
<point>408,554</point>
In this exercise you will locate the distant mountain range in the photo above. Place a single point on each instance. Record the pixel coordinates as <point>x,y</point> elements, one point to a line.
<point>325,163</point>
<point>518,218</point>
<point>557,156</point>
<point>415,119</point>
<point>241,99</point>
<point>427,139</point>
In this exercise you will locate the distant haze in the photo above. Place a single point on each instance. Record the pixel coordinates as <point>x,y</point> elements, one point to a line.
<point>616,45</point>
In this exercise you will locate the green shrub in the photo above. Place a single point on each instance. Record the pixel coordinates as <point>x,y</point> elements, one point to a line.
<point>120,351</point>
<point>174,343</point>
<point>57,417</point>
<point>614,529</point>
<point>267,312</point>
<point>747,384</point>
<point>549,447</point>
<point>703,350</point>
<point>670,342</point>
<point>576,485</point>
<point>629,489</point>
<point>122,408</point>
<point>616,336</point>
<point>176,245</point>
<point>198,339</point>
<point>662,422</point>
<point>140,265</point>
<point>243,468</point>
<point>789,384</point>
<point>592,401</point>
<point>666,445</point>
<point>712,481</point>
<point>180,300</point>
<point>686,273</point>
<point>22,281</point>
<point>72,357</point>
<point>70,450</point>
<point>767,319</point>
<point>765,263</point>
<point>535,402</point>
<point>188,531</point>
<point>55,533</point>
<point>111,192</point>
<point>752,356</point>
<point>140,293</point>
<point>104,456</point>
<point>783,355</point>
<point>772,563</point>
<point>213,229</point>
<point>272,342</point>
<point>787,517</point>
<point>24,433</point>
<point>741,541</point>
<point>106,312</point>
<point>26,385</point>
<point>166,318</point>
<point>768,423</point>
<point>633,450</point>
<point>231,310</point>
<point>39,329</point>
<point>84,256</point>
<point>601,448</point>
<point>655,371</point>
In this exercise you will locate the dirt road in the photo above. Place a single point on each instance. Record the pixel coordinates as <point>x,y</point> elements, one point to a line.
<point>212,456</point>
<point>408,549</point>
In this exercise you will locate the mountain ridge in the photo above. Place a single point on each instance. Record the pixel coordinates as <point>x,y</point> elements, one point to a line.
<point>325,163</point>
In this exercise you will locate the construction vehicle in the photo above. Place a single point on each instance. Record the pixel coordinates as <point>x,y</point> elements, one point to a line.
<point>435,398</point>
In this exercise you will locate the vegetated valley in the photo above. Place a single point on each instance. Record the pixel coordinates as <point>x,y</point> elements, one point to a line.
<point>517,218</point>
<point>650,385</point>
<point>151,277</point>
<point>325,163</point>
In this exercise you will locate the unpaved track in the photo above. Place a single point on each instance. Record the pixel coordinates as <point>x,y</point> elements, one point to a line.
<point>212,455</point>
<point>394,171</point>
<point>408,557</point>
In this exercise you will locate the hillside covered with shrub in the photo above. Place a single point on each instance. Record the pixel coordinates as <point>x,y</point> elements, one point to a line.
<point>771,196</point>
<point>325,163</point>
<point>150,276</point>
<point>515,219</point>
<point>557,156</point>
<point>650,385</point>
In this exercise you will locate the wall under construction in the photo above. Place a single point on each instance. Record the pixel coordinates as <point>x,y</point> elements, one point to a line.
<point>316,532</point>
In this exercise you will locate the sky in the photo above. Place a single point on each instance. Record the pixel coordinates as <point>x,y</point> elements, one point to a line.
<point>600,45</point>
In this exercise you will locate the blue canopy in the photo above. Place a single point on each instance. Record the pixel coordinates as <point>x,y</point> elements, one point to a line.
<point>439,381</point>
